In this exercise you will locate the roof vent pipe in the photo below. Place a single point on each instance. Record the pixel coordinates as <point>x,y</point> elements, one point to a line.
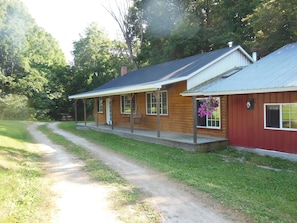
<point>230,44</point>
<point>255,56</point>
<point>124,70</point>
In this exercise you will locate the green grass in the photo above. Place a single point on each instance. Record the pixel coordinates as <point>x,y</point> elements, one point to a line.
<point>127,200</point>
<point>24,192</point>
<point>233,178</point>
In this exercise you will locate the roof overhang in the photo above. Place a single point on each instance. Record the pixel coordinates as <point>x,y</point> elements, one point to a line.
<point>153,86</point>
<point>234,92</point>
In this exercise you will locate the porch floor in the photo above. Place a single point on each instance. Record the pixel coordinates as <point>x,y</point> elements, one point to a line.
<point>178,140</point>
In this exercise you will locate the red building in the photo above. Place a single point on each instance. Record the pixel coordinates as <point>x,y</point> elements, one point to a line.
<point>261,102</point>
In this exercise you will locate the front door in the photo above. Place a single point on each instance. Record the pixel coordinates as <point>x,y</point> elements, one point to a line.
<point>108,111</point>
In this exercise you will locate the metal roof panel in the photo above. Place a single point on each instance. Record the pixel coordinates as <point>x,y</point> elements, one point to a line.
<point>277,70</point>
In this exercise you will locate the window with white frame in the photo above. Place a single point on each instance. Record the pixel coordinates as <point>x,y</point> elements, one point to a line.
<point>212,121</point>
<point>151,103</point>
<point>281,116</point>
<point>100,105</point>
<point>126,104</point>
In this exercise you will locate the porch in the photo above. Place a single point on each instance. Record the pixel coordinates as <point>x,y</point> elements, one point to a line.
<point>178,140</point>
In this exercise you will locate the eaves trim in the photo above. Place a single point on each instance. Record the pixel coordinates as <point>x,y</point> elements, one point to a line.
<point>251,91</point>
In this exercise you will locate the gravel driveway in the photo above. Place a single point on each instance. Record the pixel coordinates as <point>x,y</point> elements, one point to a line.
<point>81,197</point>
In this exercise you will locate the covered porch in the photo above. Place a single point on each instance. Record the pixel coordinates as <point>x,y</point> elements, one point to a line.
<point>173,139</point>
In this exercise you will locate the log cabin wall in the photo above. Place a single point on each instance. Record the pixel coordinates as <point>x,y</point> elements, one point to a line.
<point>179,118</point>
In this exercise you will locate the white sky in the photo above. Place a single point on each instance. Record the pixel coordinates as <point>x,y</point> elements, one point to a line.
<point>66,19</point>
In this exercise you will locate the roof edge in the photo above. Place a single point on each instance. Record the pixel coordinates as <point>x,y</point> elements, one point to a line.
<point>252,91</point>
<point>238,47</point>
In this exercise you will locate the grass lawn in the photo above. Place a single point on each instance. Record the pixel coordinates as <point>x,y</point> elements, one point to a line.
<point>24,192</point>
<point>235,179</point>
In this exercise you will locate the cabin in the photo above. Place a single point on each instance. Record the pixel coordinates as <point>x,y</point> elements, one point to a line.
<point>158,97</point>
<point>261,108</point>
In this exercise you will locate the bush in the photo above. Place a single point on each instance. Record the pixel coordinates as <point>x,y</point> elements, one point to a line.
<point>16,107</point>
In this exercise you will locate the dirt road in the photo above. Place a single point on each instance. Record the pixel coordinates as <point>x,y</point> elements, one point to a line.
<point>176,203</point>
<point>79,199</point>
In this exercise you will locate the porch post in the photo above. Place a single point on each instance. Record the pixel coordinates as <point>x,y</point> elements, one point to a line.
<point>194,119</point>
<point>96,107</point>
<point>75,111</point>
<point>158,111</point>
<point>85,112</point>
<point>111,102</point>
<point>131,96</point>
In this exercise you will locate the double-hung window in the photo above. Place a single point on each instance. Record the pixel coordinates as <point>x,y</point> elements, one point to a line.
<point>212,121</point>
<point>100,105</point>
<point>281,116</point>
<point>151,103</point>
<point>126,104</point>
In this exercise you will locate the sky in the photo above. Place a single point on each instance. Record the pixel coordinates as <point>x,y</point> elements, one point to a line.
<point>66,19</point>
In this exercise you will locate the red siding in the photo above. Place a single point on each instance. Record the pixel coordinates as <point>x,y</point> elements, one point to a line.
<point>246,127</point>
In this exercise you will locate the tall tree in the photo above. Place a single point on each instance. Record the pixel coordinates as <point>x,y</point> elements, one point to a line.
<point>96,59</point>
<point>274,24</point>
<point>129,19</point>
<point>29,58</point>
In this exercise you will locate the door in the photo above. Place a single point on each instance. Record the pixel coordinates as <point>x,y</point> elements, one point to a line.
<point>108,112</point>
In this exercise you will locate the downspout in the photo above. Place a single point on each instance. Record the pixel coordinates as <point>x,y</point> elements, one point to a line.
<point>85,112</point>
<point>194,102</point>
<point>96,104</point>
<point>131,96</point>
<point>158,112</point>
<point>75,111</point>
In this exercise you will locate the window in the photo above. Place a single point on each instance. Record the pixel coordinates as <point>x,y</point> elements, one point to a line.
<point>126,104</point>
<point>213,121</point>
<point>281,116</point>
<point>100,105</point>
<point>151,103</point>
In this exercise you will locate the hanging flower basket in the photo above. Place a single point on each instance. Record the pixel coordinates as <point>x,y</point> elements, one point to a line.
<point>208,107</point>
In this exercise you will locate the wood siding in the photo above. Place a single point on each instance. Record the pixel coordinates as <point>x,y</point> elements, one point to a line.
<point>246,127</point>
<point>222,132</point>
<point>179,118</point>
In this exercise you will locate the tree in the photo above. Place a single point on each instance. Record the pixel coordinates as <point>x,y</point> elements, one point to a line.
<point>274,25</point>
<point>129,19</point>
<point>161,18</point>
<point>97,60</point>
<point>29,59</point>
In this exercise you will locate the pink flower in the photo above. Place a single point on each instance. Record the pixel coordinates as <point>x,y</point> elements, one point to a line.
<point>208,107</point>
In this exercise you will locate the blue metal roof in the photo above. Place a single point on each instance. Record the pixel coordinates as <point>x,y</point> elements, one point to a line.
<point>165,71</point>
<point>275,72</point>
<point>147,78</point>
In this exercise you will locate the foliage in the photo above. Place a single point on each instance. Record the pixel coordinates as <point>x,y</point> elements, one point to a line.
<point>16,107</point>
<point>96,59</point>
<point>245,182</point>
<point>274,25</point>
<point>129,18</point>
<point>25,196</point>
<point>180,28</point>
<point>208,106</point>
<point>30,59</point>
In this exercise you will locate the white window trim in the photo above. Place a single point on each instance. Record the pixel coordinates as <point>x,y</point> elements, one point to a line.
<point>209,127</point>
<point>280,118</point>
<point>123,95</point>
<point>152,93</point>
